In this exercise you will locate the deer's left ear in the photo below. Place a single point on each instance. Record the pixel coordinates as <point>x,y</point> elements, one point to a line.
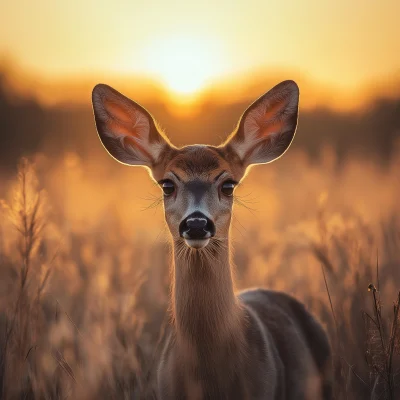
<point>267,127</point>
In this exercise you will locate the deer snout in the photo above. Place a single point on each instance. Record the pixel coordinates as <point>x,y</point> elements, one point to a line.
<point>196,228</point>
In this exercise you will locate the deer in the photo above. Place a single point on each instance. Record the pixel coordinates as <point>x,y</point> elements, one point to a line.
<point>255,344</point>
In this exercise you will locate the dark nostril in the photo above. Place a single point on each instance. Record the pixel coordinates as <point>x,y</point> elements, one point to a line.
<point>196,223</point>
<point>197,226</point>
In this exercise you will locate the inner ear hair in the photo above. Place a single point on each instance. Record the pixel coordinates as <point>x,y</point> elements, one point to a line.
<point>267,128</point>
<point>127,130</point>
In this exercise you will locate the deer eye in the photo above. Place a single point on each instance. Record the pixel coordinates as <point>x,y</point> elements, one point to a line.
<point>168,187</point>
<point>227,188</point>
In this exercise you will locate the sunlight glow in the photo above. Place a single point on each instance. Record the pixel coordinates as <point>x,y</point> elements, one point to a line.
<point>184,64</point>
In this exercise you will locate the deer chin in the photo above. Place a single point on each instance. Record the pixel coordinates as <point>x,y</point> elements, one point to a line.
<point>197,243</point>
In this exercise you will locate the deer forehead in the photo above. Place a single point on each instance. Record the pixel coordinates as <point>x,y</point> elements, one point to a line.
<point>197,162</point>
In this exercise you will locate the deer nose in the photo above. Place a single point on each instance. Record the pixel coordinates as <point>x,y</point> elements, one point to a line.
<point>196,226</point>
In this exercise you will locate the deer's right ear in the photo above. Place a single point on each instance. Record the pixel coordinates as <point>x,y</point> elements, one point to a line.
<point>127,130</point>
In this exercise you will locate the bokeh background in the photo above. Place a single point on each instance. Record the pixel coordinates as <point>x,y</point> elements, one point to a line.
<point>84,254</point>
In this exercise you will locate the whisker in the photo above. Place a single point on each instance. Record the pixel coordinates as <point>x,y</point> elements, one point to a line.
<point>242,204</point>
<point>237,219</point>
<point>154,205</point>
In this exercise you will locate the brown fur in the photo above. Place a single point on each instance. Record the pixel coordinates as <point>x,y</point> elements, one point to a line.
<point>256,345</point>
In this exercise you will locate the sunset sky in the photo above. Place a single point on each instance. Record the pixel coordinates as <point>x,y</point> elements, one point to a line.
<point>188,44</point>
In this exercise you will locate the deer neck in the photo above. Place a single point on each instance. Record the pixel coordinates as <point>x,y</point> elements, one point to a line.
<point>205,308</point>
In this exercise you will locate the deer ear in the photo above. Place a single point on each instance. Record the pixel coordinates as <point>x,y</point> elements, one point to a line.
<point>127,130</point>
<point>266,129</point>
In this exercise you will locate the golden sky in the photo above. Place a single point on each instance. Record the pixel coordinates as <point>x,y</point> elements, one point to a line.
<point>187,44</point>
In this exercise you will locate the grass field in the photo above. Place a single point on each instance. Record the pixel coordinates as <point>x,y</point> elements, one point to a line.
<point>84,270</point>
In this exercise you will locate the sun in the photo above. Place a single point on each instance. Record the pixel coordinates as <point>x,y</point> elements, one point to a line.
<point>183,64</point>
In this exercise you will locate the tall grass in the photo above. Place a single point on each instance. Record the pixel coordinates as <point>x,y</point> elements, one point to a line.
<point>84,279</point>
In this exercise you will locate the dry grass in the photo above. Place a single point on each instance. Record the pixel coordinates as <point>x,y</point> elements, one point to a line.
<point>84,273</point>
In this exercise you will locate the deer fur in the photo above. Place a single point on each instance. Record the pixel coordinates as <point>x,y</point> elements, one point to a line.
<point>257,344</point>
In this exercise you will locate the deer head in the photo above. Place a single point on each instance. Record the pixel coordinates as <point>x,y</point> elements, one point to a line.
<point>198,181</point>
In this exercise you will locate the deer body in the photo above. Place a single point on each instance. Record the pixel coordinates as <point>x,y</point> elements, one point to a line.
<point>250,346</point>
<point>256,345</point>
